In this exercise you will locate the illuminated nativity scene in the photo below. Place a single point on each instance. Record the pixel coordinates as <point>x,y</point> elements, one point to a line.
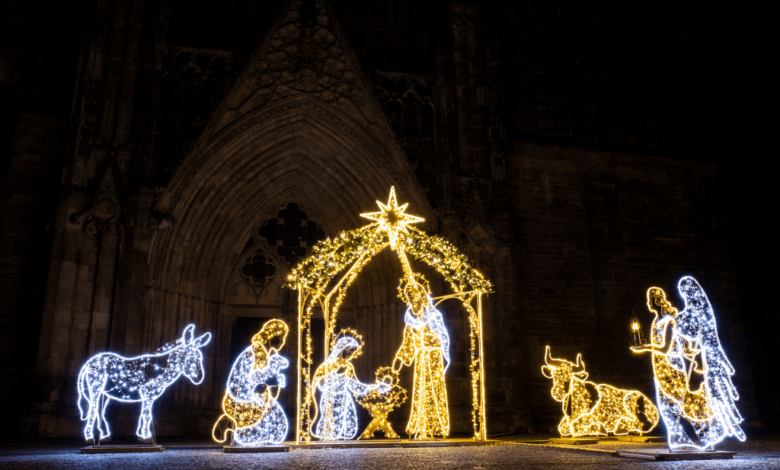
<point>327,399</point>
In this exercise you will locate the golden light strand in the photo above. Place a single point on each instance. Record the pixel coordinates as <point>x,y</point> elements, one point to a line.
<point>684,343</point>
<point>256,418</point>
<point>351,251</point>
<point>610,411</point>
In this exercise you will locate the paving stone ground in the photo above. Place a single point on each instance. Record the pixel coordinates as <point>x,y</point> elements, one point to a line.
<point>511,453</point>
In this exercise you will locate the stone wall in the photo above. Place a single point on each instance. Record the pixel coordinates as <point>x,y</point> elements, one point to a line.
<point>592,232</point>
<point>37,72</point>
<point>558,146</point>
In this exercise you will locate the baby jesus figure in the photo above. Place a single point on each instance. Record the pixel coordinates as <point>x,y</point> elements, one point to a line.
<point>380,404</point>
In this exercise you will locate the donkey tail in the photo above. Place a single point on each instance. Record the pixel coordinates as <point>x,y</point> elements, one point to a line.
<point>83,393</point>
<point>218,429</point>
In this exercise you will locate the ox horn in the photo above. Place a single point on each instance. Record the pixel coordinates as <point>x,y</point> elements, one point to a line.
<point>549,360</point>
<point>580,366</point>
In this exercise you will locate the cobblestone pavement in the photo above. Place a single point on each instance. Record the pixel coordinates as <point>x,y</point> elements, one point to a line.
<point>508,454</point>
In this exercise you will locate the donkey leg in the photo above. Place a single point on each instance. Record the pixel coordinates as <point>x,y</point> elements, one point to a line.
<point>145,420</point>
<point>105,431</point>
<point>93,392</point>
<point>88,428</point>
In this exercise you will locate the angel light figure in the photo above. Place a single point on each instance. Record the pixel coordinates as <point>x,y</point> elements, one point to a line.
<point>427,344</point>
<point>335,379</point>
<point>683,344</point>
<point>257,418</point>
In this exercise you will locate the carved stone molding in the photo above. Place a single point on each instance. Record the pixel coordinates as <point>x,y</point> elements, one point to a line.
<point>103,210</point>
<point>464,22</point>
<point>323,113</point>
<point>198,64</point>
<point>302,55</point>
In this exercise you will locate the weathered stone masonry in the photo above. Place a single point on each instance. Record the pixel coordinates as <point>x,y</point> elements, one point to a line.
<point>550,143</point>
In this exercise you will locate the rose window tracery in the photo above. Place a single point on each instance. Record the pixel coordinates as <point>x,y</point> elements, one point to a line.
<point>258,271</point>
<point>274,244</point>
<point>291,233</point>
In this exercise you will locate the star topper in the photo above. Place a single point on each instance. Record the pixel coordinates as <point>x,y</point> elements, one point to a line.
<point>392,218</point>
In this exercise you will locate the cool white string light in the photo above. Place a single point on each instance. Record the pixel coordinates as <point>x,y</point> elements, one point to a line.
<point>686,343</point>
<point>335,379</point>
<point>108,376</point>
<point>427,344</point>
<point>257,418</point>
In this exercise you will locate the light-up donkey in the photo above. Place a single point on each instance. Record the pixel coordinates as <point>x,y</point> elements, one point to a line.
<point>142,379</point>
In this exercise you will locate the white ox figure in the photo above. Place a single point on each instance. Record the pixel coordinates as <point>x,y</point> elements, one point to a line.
<point>142,378</point>
<point>595,410</point>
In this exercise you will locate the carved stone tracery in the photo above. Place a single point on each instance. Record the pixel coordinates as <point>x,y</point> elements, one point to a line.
<point>103,210</point>
<point>275,245</point>
<point>303,55</point>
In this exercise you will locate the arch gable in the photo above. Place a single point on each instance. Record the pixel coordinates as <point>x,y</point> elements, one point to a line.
<point>294,150</point>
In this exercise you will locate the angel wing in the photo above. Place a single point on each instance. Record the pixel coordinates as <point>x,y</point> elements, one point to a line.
<point>697,324</point>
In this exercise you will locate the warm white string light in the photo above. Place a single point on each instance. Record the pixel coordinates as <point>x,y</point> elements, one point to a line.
<point>108,376</point>
<point>256,417</point>
<point>610,411</point>
<point>379,404</point>
<point>686,343</point>
<point>323,278</point>
<point>426,344</point>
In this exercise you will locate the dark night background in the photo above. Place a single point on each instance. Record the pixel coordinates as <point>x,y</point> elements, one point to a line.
<point>711,60</point>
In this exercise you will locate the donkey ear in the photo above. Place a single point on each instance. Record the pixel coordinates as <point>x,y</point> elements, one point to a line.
<point>189,332</point>
<point>202,340</point>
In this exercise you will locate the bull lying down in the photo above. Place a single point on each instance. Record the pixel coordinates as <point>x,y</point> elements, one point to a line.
<point>591,409</point>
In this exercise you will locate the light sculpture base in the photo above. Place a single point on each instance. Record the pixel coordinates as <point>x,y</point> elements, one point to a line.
<point>393,443</point>
<point>103,449</point>
<point>615,446</point>
<point>649,439</point>
<point>254,449</point>
<point>578,441</point>
<point>673,456</point>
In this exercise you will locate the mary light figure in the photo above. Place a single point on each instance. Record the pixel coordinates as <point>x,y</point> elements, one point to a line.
<point>336,381</point>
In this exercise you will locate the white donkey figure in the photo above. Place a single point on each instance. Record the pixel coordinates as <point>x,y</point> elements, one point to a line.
<point>142,378</point>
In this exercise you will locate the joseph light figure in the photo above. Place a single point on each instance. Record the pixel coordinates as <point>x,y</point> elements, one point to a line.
<point>250,403</point>
<point>108,376</point>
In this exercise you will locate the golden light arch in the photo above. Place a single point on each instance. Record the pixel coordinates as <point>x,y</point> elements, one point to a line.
<point>323,278</point>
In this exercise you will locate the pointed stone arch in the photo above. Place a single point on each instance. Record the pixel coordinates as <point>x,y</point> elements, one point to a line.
<point>318,139</point>
<point>298,149</point>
